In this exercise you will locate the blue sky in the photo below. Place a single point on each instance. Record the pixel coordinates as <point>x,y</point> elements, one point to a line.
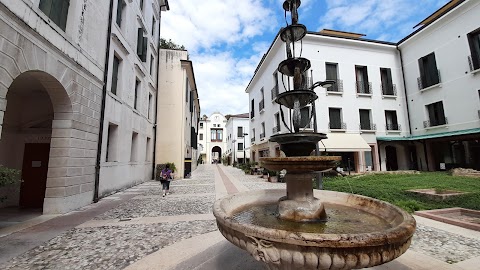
<point>227,38</point>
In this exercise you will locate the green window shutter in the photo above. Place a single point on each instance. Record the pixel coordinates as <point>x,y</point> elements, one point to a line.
<point>56,10</point>
<point>116,64</point>
<point>139,42</point>
<point>63,13</point>
<point>46,6</point>
<point>144,49</point>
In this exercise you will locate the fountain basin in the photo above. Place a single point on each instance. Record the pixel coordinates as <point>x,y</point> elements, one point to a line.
<point>290,249</point>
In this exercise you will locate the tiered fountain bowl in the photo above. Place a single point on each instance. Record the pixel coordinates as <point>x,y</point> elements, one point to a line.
<point>302,228</point>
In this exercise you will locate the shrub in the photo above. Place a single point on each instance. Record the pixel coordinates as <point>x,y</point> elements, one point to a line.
<point>8,177</point>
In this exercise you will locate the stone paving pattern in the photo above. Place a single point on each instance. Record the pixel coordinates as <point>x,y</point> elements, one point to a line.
<point>117,246</point>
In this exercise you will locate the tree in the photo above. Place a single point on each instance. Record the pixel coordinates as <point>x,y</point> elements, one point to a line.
<point>164,44</point>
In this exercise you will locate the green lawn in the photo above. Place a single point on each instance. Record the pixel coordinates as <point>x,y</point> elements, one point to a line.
<point>392,188</point>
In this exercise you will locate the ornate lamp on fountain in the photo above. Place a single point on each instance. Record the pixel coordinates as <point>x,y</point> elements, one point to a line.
<point>299,229</point>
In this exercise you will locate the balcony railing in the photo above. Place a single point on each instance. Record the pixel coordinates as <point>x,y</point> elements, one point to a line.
<point>261,105</point>
<point>422,84</point>
<point>435,122</point>
<point>337,125</point>
<point>368,126</point>
<point>252,140</point>
<point>274,92</point>
<point>389,90</point>
<point>275,129</point>
<point>337,87</point>
<point>364,87</point>
<point>397,127</point>
<point>262,135</point>
<point>473,63</point>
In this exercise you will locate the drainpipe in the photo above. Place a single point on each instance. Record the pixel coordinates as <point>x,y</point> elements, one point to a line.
<point>156,100</point>
<point>102,110</point>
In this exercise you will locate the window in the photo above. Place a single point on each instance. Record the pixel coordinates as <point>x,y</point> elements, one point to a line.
<point>120,6</point>
<point>436,115</point>
<point>253,135</point>
<point>141,5</point>
<point>151,65</point>
<point>56,10</point>
<point>391,120</point>
<point>332,74</point>
<point>149,113</point>
<point>276,128</point>
<point>137,89</point>
<point>429,74</point>
<point>275,90</point>
<point>112,137</point>
<point>134,147</point>
<point>252,109</point>
<point>305,117</point>
<point>262,135</point>
<point>201,125</point>
<point>365,123</point>
<point>388,87</point>
<point>142,43</point>
<point>474,41</point>
<point>154,22</point>
<point>335,116</point>
<point>363,86</point>
<point>239,132</point>
<point>217,135</point>
<point>115,70</point>
<point>148,156</point>
<point>261,105</point>
<point>240,147</point>
<point>201,136</point>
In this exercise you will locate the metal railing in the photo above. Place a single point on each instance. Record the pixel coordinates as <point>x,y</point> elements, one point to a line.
<point>261,105</point>
<point>337,87</point>
<point>389,90</point>
<point>435,122</point>
<point>422,84</point>
<point>368,126</point>
<point>274,92</point>
<point>397,127</point>
<point>275,129</point>
<point>337,125</point>
<point>262,135</point>
<point>364,87</point>
<point>473,63</point>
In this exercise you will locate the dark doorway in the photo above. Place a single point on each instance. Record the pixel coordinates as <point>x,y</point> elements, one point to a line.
<point>34,175</point>
<point>391,155</point>
<point>413,158</point>
<point>216,154</point>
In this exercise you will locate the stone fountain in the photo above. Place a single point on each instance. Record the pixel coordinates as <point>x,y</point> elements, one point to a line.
<point>302,228</point>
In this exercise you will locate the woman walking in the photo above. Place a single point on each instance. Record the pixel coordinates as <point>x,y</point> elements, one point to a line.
<point>166,176</point>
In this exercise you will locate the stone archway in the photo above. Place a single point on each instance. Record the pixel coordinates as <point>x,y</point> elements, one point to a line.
<point>216,154</point>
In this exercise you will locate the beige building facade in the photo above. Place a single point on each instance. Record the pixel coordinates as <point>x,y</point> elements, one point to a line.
<point>51,80</point>
<point>178,112</point>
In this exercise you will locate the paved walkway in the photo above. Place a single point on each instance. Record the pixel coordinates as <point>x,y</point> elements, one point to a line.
<point>140,229</point>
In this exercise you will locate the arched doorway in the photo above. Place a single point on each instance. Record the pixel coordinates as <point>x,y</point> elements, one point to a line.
<point>37,106</point>
<point>391,156</point>
<point>216,154</point>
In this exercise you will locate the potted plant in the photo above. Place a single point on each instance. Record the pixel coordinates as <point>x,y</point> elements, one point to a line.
<point>273,176</point>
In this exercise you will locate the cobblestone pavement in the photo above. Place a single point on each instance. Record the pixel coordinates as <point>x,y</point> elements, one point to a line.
<point>115,245</point>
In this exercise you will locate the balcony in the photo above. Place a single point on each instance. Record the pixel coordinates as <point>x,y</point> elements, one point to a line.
<point>262,136</point>
<point>261,105</point>
<point>473,64</point>
<point>337,125</point>
<point>336,88</point>
<point>393,127</point>
<point>389,90</point>
<point>435,122</point>
<point>274,92</point>
<point>364,87</point>
<point>368,127</point>
<point>424,84</point>
<point>276,129</point>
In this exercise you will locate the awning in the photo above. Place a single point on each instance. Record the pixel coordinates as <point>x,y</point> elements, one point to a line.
<point>344,142</point>
<point>431,136</point>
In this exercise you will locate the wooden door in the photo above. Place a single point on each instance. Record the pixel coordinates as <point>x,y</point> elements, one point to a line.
<point>34,175</point>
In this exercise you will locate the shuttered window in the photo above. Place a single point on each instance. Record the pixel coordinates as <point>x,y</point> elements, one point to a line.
<point>335,115</point>
<point>56,10</point>
<point>141,45</point>
<point>365,120</point>
<point>474,41</point>
<point>116,65</point>
<point>332,74</point>
<point>120,6</point>
<point>387,84</point>
<point>436,114</point>
<point>428,70</point>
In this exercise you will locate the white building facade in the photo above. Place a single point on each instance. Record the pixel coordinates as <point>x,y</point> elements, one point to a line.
<point>128,127</point>
<point>238,139</point>
<point>178,113</point>
<point>390,109</point>
<point>211,137</point>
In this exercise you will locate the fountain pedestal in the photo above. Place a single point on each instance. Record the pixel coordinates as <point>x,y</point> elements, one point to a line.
<point>300,204</point>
